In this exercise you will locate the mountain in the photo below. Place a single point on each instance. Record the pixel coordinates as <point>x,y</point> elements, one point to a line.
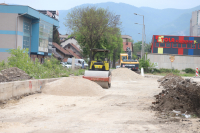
<point>157,21</point>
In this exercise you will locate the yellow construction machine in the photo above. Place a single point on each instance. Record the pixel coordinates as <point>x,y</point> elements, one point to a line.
<point>126,61</point>
<point>99,69</point>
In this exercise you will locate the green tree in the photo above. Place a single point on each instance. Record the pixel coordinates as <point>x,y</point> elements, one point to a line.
<point>93,27</point>
<point>56,37</point>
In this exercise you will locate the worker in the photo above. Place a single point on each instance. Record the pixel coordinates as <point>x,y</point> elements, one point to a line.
<point>83,65</point>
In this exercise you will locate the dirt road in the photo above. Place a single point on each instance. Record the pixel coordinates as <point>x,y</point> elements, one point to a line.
<point>125,108</point>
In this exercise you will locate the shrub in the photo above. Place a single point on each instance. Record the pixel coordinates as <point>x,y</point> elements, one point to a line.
<point>145,63</point>
<point>189,70</point>
<point>49,69</point>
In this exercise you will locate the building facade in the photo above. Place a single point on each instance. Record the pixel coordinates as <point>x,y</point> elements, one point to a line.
<point>127,43</point>
<point>195,24</point>
<point>180,45</point>
<point>25,27</point>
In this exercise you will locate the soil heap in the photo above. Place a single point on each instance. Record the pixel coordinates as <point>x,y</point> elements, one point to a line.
<point>73,86</point>
<point>179,94</point>
<point>125,74</point>
<point>13,74</point>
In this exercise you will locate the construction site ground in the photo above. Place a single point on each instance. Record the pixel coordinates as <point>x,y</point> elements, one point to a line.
<point>124,108</point>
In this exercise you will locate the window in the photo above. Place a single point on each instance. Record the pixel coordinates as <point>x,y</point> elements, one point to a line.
<point>45,36</point>
<point>168,45</point>
<point>157,44</point>
<point>193,46</point>
<point>183,45</point>
<point>175,45</point>
<point>179,45</point>
<point>162,44</point>
<point>189,45</point>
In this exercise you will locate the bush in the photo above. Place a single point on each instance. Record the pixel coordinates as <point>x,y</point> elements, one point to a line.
<point>146,64</point>
<point>50,69</point>
<point>189,70</point>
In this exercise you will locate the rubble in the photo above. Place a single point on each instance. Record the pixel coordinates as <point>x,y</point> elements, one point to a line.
<point>13,74</point>
<point>178,94</point>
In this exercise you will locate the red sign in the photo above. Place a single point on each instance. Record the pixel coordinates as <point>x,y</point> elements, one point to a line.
<point>173,40</point>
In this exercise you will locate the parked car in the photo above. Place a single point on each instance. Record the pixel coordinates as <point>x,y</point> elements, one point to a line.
<point>66,64</point>
<point>78,62</point>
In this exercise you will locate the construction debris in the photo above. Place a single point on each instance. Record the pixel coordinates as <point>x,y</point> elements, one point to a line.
<point>13,74</point>
<point>178,94</point>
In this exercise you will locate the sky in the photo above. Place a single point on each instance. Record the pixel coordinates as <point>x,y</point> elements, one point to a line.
<point>68,4</point>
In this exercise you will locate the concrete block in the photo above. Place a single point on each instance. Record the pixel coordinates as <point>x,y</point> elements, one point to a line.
<point>6,90</point>
<point>19,88</point>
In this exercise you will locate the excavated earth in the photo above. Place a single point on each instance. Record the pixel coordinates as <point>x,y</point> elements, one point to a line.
<point>178,94</point>
<point>13,74</point>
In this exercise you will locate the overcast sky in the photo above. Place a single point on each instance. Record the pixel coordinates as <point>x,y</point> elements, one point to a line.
<point>67,4</point>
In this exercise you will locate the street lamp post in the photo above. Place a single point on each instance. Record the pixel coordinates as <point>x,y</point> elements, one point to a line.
<point>143,33</point>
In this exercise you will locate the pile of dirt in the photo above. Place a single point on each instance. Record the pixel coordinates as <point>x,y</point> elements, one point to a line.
<point>179,94</point>
<point>73,86</point>
<point>13,74</point>
<point>125,74</point>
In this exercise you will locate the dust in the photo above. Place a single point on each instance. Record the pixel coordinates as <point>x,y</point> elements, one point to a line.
<point>179,94</point>
<point>125,74</point>
<point>73,86</point>
<point>13,74</point>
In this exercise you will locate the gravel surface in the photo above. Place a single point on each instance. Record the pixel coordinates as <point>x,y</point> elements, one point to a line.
<point>124,108</point>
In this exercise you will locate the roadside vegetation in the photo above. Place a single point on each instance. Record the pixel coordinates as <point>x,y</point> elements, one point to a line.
<point>51,68</point>
<point>96,27</point>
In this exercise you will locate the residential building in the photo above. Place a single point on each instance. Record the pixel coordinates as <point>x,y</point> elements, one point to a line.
<point>73,48</point>
<point>60,53</point>
<point>63,37</point>
<point>70,40</point>
<point>25,27</point>
<point>195,24</point>
<point>127,43</point>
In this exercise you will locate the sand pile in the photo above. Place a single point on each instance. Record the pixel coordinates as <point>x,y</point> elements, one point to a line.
<point>179,94</point>
<point>13,74</point>
<point>73,86</point>
<point>125,74</point>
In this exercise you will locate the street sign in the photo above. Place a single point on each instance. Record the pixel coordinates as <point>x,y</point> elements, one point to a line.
<point>172,58</point>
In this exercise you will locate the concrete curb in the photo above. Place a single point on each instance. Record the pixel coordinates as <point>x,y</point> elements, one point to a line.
<point>15,89</point>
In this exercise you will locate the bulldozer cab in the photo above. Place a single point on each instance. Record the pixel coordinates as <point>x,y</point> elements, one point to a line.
<point>100,60</point>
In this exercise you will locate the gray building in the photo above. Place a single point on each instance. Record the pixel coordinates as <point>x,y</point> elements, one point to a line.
<point>25,27</point>
<point>195,24</point>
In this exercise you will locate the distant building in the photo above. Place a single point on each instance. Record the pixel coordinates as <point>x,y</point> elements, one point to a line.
<point>195,24</point>
<point>127,43</point>
<point>70,40</point>
<point>25,27</point>
<point>63,37</point>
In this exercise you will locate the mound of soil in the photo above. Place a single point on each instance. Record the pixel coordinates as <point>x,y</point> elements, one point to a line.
<point>179,94</point>
<point>125,74</point>
<point>13,74</point>
<point>73,86</point>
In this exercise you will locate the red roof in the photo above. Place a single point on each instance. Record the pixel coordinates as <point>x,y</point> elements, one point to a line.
<point>75,47</point>
<point>125,46</point>
<point>61,49</point>
<point>71,52</point>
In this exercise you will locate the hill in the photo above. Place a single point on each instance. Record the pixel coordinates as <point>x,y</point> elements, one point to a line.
<point>157,21</point>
